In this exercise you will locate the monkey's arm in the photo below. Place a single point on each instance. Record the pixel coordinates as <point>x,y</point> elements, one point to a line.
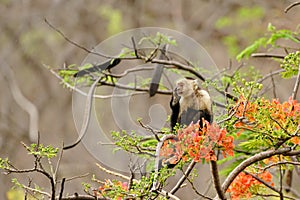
<point>175,106</point>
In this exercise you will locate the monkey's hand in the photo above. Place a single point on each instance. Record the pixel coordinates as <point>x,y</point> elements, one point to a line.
<point>175,98</point>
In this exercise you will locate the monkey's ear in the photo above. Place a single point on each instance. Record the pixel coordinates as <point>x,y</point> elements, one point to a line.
<point>198,83</point>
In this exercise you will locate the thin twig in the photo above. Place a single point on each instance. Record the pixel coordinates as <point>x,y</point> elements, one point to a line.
<point>150,129</point>
<point>58,162</point>
<point>263,182</point>
<point>196,191</point>
<point>87,114</point>
<point>74,43</point>
<point>95,95</point>
<point>267,55</point>
<point>183,178</point>
<point>270,75</point>
<point>115,173</point>
<point>23,102</point>
<point>280,163</point>
<point>291,6</point>
<point>297,83</point>
<point>76,177</point>
<point>34,190</point>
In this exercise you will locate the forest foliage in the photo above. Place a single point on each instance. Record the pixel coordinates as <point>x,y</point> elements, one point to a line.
<point>257,138</point>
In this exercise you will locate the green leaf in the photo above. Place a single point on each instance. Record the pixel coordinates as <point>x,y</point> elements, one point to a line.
<point>252,48</point>
<point>42,151</point>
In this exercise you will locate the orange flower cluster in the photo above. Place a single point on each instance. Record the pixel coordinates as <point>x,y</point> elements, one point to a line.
<point>270,116</point>
<point>201,143</point>
<point>243,184</point>
<point>196,143</point>
<point>115,189</point>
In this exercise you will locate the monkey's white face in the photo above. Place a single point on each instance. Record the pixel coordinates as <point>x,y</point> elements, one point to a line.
<point>184,88</point>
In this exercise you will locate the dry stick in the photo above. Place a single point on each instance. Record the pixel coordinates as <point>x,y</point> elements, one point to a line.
<point>82,197</point>
<point>159,145</point>
<point>196,191</point>
<point>271,74</point>
<point>23,102</point>
<point>297,83</point>
<point>149,129</point>
<point>76,177</point>
<point>291,6</point>
<point>58,163</point>
<point>95,96</point>
<point>216,179</point>
<point>87,114</point>
<point>280,163</point>
<point>114,173</point>
<point>280,181</point>
<point>183,178</point>
<point>267,55</point>
<point>133,180</point>
<point>260,156</point>
<point>74,43</point>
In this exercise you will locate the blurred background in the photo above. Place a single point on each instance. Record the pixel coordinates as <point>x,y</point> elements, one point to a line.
<point>27,44</point>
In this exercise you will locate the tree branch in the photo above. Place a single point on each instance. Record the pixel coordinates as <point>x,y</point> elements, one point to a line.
<point>248,162</point>
<point>216,179</point>
<point>23,102</point>
<point>267,55</point>
<point>87,114</point>
<point>297,83</point>
<point>291,6</point>
<point>183,178</point>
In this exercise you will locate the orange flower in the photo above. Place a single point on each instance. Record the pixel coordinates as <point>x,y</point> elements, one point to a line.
<point>200,143</point>
<point>295,140</point>
<point>240,187</point>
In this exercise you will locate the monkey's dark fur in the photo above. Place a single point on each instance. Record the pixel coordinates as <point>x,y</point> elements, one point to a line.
<point>189,104</point>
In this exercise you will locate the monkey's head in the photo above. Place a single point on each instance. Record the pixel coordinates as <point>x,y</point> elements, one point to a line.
<point>184,87</point>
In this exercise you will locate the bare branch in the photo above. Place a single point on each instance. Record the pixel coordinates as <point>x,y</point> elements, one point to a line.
<point>196,191</point>
<point>270,75</point>
<point>82,197</point>
<point>183,178</point>
<point>36,191</point>
<point>216,179</point>
<point>74,43</point>
<point>87,114</point>
<point>297,83</point>
<point>23,102</point>
<point>115,173</point>
<point>263,182</point>
<point>249,161</point>
<point>291,6</point>
<point>149,129</point>
<point>95,95</point>
<point>280,163</point>
<point>267,55</point>
<point>76,177</point>
<point>62,188</point>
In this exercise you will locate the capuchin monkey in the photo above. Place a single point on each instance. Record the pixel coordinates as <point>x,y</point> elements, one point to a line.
<point>189,104</point>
